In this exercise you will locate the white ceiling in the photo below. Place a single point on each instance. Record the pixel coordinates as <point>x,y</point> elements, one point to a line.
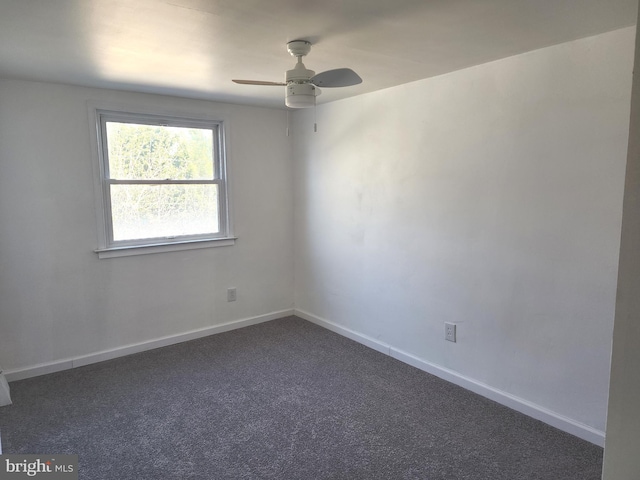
<point>194,48</point>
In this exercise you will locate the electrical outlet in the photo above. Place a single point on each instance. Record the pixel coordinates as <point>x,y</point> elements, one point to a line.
<point>450,331</point>
<point>231,294</point>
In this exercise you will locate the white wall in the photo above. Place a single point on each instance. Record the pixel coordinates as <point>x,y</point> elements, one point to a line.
<point>621,459</point>
<point>58,300</point>
<point>490,197</point>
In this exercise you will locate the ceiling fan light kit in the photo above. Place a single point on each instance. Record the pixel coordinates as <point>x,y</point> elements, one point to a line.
<point>302,83</point>
<point>300,95</point>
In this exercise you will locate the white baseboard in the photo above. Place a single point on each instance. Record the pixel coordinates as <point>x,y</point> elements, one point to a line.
<point>521,405</point>
<point>68,363</point>
<point>516,403</point>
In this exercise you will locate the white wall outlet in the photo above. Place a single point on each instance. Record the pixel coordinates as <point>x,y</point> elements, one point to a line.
<point>450,331</point>
<point>231,294</point>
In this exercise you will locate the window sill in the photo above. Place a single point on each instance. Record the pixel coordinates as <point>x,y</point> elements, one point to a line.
<point>164,247</point>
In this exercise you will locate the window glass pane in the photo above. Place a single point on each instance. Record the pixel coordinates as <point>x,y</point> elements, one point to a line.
<point>150,211</point>
<point>154,152</point>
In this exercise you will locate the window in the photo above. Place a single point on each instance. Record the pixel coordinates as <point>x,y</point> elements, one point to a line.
<point>162,182</point>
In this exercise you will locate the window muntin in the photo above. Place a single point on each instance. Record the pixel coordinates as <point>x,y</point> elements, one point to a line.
<point>163,179</point>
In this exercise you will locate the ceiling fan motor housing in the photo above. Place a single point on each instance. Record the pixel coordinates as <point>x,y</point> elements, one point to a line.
<point>299,73</point>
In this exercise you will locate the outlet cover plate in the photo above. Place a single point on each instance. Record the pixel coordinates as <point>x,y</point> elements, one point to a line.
<point>450,331</point>
<point>231,294</point>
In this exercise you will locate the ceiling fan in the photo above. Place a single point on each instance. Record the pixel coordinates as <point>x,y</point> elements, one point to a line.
<point>302,83</point>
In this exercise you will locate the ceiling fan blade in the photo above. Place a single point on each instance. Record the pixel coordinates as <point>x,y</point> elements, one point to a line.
<point>259,82</point>
<point>340,77</point>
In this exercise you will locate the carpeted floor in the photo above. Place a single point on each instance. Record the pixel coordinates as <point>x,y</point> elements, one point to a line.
<point>280,400</point>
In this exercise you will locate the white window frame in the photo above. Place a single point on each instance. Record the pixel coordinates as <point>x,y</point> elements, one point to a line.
<point>107,247</point>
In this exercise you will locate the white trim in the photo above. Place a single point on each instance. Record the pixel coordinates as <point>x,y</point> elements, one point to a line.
<point>163,247</point>
<point>521,405</point>
<point>107,248</point>
<point>74,362</point>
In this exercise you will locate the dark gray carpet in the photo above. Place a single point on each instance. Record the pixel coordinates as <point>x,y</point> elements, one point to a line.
<point>281,400</point>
